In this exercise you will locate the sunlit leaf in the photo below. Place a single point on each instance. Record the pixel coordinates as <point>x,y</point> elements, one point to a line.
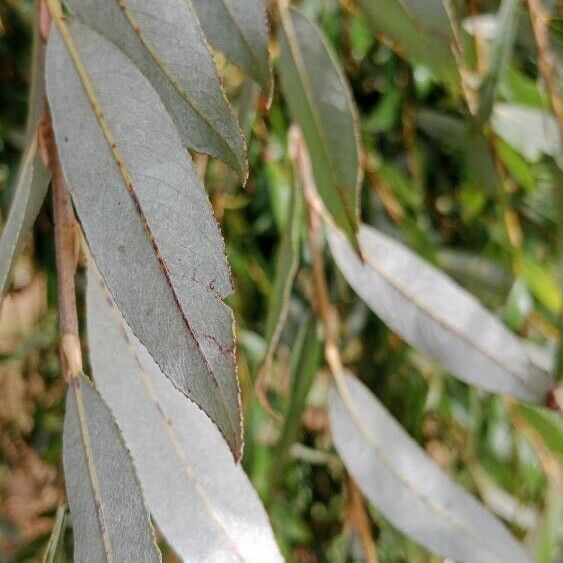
<point>146,217</point>
<point>435,315</point>
<point>410,490</point>
<point>319,100</point>
<point>239,28</point>
<point>530,131</point>
<point>165,41</point>
<point>201,500</point>
<point>109,519</point>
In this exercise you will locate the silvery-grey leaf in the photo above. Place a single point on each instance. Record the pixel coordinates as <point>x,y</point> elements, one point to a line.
<point>165,41</point>
<point>435,315</point>
<point>413,493</point>
<point>29,193</point>
<point>109,518</point>
<point>32,180</point>
<point>239,28</point>
<point>532,132</point>
<point>319,99</point>
<point>200,499</point>
<point>147,219</point>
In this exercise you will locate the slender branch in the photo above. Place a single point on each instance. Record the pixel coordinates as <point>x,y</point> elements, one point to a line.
<point>326,312</point>
<point>67,244</point>
<point>360,520</point>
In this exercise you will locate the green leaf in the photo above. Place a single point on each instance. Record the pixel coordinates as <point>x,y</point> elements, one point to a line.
<point>287,263</point>
<point>305,358</point>
<point>165,41</point>
<point>202,501</point>
<point>541,283</point>
<point>146,217</point>
<point>30,190</point>
<point>239,28</point>
<point>501,53</point>
<point>33,179</point>
<point>413,493</point>
<point>432,313</point>
<point>319,99</point>
<point>420,31</point>
<point>109,518</point>
<point>547,424</point>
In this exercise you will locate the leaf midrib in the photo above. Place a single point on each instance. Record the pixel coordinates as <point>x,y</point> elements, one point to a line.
<point>176,443</point>
<point>350,406</point>
<point>300,67</point>
<point>151,49</point>
<point>128,182</point>
<point>444,323</point>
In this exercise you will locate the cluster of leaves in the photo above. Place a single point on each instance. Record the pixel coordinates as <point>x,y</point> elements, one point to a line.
<point>459,159</point>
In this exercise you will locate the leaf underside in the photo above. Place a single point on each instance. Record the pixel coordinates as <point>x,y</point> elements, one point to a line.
<point>202,501</point>
<point>239,28</point>
<point>146,217</point>
<point>411,491</point>
<point>109,519</point>
<point>435,315</point>
<point>166,43</point>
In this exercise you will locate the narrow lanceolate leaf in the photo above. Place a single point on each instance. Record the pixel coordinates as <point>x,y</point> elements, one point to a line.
<point>415,495</point>
<point>109,518</point>
<point>419,31</point>
<point>239,28</point>
<point>146,217</point>
<point>165,41</point>
<point>319,100</point>
<point>55,545</point>
<point>500,56</point>
<point>29,193</point>
<point>200,499</point>
<point>32,180</point>
<point>435,315</point>
<point>286,268</point>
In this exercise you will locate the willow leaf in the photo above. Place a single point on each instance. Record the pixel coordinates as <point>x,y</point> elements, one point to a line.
<point>420,31</point>
<point>109,518</point>
<point>435,315</point>
<point>287,264</point>
<point>146,217</point>
<point>500,56</point>
<point>165,41</point>
<point>32,180</point>
<point>239,28</point>
<point>201,500</point>
<point>319,99</point>
<point>55,545</point>
<point>411,491</point>
<point>30,190</point>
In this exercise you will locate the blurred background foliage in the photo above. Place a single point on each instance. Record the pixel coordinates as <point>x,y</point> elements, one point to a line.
<point>480,203</point>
